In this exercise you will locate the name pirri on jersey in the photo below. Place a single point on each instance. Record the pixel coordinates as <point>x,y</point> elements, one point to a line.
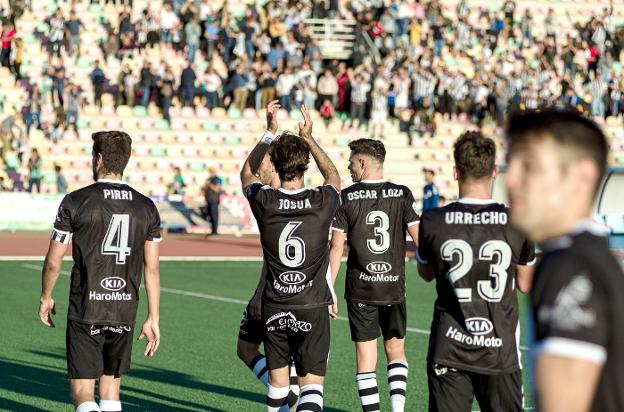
<point>375,215</point>
<point>474,252</point>
<point>294,228</point>
<point>109,223</point>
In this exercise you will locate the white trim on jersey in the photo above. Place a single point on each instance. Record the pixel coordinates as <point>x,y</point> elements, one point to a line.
<point>335,188</point>
<point>414,223</point>
<point>570,348</point>
<point>114,181</point>
<point>473,201</point>
<point>61,236</point>
<point>419,259</point>
<point>292,192</point>
<point>373,181</point>
<point>531,263</point>
<point>330,285</point>
<point>337,229</point>
<point>588,225</point>
<point>156,240</point>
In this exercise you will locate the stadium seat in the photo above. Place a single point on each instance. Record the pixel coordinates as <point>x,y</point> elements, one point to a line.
<point>224,126</point>
<point>161,125</point>
<point>139,111</point>
<point>209,125</point>
<point>187,112</point>
<point>219,113</point>
<point>158,151</point>
<point>234,113</point>
<point>197,166</point>
<point>232,139</point>
<point>250,113</point>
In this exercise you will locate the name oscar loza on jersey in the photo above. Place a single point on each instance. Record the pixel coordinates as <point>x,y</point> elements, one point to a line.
<point>372,194</point>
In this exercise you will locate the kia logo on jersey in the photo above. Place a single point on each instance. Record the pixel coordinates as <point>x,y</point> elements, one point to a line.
<point>292,278</point>
<point>379,267</point>
<point>479,326</point>
<point>113,283</point>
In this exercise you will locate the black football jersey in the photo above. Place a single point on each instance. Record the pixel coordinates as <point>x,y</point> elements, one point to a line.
<point>294,231</point>
<point>474,251</point>
<point>375,215</point>
<point>578,309</point>
<point>109,223</point>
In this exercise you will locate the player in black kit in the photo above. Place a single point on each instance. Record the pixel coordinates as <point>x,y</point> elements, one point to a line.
<point>478,261</point>
<point>251,331</point>
<point>294,224</point>
<point>557,161</point>
<point>374,216</point>
<point>115,231</point>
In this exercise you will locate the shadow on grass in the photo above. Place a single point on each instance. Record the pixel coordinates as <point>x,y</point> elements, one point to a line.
<point>53,385</point>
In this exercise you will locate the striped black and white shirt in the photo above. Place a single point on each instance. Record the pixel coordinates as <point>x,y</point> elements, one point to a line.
<point>359,92</point>
<point>380,103</point>
<point>597,88</point>
<point>424,84</point>
<point>599,36</point>
<point>459,88</point>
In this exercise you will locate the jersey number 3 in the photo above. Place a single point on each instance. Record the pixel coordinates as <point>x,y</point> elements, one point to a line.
<point>381,242</point>
<point>495,251</point>
<point>116,239</point>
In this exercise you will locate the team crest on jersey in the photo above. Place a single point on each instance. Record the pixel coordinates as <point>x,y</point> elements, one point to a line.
<point>479,326</point>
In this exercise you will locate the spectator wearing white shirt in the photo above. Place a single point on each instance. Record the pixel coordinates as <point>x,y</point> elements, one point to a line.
<point>168,21</point>
<point>327,88</point>
<point>212,84</point>
<point>285,83</point>
<point>359,94</point>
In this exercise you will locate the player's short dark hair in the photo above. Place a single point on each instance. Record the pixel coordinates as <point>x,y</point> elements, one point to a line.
<point>290,156</point>
<point>115,147</point>
<point>567,128</point>
<point>475,155</point>
<point>369,147</point>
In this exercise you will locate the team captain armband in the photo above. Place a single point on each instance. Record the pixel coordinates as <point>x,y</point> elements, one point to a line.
<point>61,236</point>
<point>267,137</point>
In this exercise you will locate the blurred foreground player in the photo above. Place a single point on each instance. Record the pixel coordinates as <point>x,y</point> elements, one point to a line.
<point>294,224</point>
<point>557,161</point>
<point>478,260</point>
<point>251,331</point>
<point>374,216</point>
<point>115,232</point>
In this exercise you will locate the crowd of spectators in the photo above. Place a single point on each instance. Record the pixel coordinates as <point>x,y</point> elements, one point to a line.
<point>469,62</point>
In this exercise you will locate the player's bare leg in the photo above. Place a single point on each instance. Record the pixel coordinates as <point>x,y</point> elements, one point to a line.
<point>311,396</point>
<point>247,351</point>
<point>397,372</point>
<point>365,379</point>
<point>82,393</point>
<point>109,393</point>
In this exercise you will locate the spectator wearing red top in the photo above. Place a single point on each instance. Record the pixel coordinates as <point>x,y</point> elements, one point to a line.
<point>8,33</point>
<point>594,57</point>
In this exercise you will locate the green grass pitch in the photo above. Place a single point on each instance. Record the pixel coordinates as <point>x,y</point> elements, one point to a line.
<point>196,368</point>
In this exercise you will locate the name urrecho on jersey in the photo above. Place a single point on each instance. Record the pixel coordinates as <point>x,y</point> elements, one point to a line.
<point>116,194</point>
<point>483,218</point>
<point>373,194</point>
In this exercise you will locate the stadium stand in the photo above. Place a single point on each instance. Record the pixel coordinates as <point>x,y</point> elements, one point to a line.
<point>472,59</point>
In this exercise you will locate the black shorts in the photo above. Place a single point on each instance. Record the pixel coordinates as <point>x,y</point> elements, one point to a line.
<point>96,350</point>
<point>452,390</point>
<point>250,330</point>
<point>368,322</point>
<point>299,335</point>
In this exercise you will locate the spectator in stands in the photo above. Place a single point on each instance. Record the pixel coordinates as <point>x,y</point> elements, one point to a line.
<point>57,33</point>
<point>34,167</point>
<point>3,186</point>
<point>166,86</point>
<point>18,54</point>
<point>212,84</point>
<point>192,32</point>
<point>61,182</point>
<point>6,37</point>
<point>32,109</point>
<point>178,185</point>
<point>145,84</point>
<point>284,88</point>
<point>98,80</point>
<point>327,112</point>
<point>238,84</point>
<point>359,93</point>
<point>212,193</point>
<point>188,83</point>
<point>58,90</point>
<point>73,28</point>
<point>379,112</point>
<point>168,21</point>
<point>430,191</point>
<point>267,82</point>
<point>327,87</point>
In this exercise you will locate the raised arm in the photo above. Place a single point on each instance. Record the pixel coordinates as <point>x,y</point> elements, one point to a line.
<point>49,275</point>
<point>150,328</point>
<point>324,163</point>
<point>251,165</point>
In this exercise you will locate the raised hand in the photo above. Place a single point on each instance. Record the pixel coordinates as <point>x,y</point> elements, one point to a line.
<point>271,116</point>
<point>305,128</point>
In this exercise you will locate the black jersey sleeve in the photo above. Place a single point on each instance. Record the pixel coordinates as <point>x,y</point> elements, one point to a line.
<point>62,232</point>
<point>153,231</point>
<point>340,222</point>
<point>424,253</point>
<point>527,254</point>
<point>571,308</point>
<point>410,217</point>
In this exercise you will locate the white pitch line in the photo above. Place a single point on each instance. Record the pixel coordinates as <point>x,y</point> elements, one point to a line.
<point>228,300</point>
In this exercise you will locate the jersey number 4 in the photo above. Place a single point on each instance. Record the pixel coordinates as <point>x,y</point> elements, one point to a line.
<point>116,239</point>
<point>495,251</point>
